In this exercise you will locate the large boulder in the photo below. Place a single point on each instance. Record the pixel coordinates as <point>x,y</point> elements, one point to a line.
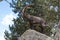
<point>34,35</point>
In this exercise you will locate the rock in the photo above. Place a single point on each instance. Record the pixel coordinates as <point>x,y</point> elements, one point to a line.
<point>34,35</point>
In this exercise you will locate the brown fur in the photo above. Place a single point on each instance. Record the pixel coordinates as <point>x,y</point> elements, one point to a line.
<point>33,19</point>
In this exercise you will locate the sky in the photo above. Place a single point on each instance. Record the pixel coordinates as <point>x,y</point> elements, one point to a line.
<point>6,17</point>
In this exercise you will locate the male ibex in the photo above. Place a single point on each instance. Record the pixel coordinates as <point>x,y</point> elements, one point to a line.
<point>33,19</point>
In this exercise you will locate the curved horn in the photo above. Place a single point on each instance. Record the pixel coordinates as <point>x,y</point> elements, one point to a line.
<point>28,6</point>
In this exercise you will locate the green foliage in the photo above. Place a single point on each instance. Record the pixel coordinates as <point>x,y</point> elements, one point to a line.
<point>42,8</point>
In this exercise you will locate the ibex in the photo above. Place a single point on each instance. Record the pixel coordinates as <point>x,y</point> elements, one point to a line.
<point>33,19</point>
